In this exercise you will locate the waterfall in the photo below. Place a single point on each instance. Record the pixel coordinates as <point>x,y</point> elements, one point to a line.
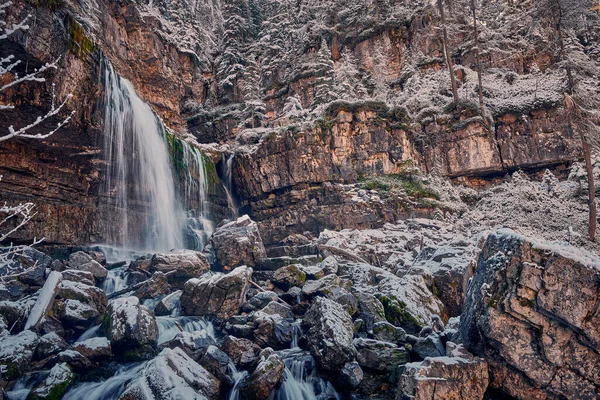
<point>228,185</point>
<point>195,178</point>
<point>237,377</point>
<point>146,166</point>
<point>139,177</point>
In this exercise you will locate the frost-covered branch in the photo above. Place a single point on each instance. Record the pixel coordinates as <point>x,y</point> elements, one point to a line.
<point>15,217</point>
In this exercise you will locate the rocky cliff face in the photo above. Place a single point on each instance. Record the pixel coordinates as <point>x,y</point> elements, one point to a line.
<point>531,310</point>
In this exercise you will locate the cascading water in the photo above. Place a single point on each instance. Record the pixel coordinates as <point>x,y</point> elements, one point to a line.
<point>169,327</point>
<point>195,195</point>
<point>115,280</point>
<point>300,381</point>
<point>237,377</point>
<point>109,389</point>
<point>139,178</point>
<point>228,185</point>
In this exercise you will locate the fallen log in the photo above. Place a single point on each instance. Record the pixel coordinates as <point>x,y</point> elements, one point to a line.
<point>44,301</point>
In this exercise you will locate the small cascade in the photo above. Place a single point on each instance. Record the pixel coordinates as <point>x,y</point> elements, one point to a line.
<point>139,183</point>
<point>94,331</point>
<point>168,327</point>
<point>22,388</point>
<point>195,183</point>
<point>300,381</point>
<point>109,389</point>
<point>228,185</point>
<point>115,280</point>
<point>237,377</point>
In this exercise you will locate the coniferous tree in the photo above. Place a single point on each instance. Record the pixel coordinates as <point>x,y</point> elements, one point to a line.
<point>348,83</point>
<point>238,29</point>
<point>251,90</point>
<point>324,83</point>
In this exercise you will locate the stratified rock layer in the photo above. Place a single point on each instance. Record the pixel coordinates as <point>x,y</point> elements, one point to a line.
<point>532,312</point>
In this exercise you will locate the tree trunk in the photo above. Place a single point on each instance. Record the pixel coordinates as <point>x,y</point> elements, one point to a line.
<point>477,62</point>
<point>447,53</point>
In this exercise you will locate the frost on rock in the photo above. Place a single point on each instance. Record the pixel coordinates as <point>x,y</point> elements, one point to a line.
<point>131,328</point>
<point>407,301</point>
<point>173,375</point>
<point>16,352</point>
<point>55,384</point>
<point>45,300</point>
<point>330,333</point>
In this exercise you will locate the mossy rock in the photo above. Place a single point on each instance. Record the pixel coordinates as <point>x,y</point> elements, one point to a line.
<point>396,313</point>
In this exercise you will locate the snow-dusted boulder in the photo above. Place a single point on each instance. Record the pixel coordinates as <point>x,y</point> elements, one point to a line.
<point>242,352</point>
<point>50,344</point>
<point>90,295</point>
<point>131,328</point>
<point>379,356</point>
<point>264,378</point>
<point>94,348</point>
<point>329,334</point>
<point>75,275</point>
<point>532,312</point>
<point>55,384</point>
<point>168,304</point>
<point>290,275</point>
<point>173,375</point>
<point>407,301</point>
<point>16,352</point>
<point>192,343</point>
<point>273,326</point>
<point>459,377</point>
<point>350,376</point>
<point>219,295</point>
<point>215,361</point>
<point>84,262</point>
<point>238,243</point>
<point>180,265</point>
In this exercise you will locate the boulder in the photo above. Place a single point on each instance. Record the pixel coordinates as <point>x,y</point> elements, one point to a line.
<point>329,332</point>
<point>76,314</point>
<point>55,384</point>
<point>84,293</point>
<point>532,312</point>
<point>219,295</point>
<point>288,276</point>
<point>192,343</point>
<point>15,313</point>
<point>388,333</point>
<point>80,363</point>
<point>442,378</point>
<point>74,275</point>
<point>238,243</point>
<point>179,265</point>
<point>16,352</point>
<point>242,352</point>
<point>172,375</point>
<point>49,345</point>
<point>95,348</point>
<point>154,287</point>
<point>259,300</point>
<point>84,262</point>
<point>370,310</point>
<point>407,301</point>
<point>168,304</point>
<point>379,356</point>
<point>131,328</point>
<point>330,286</point>
<point>261,382</point>
<point>429,346</point>
<point>350,376</point>
<point>216,362</point>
